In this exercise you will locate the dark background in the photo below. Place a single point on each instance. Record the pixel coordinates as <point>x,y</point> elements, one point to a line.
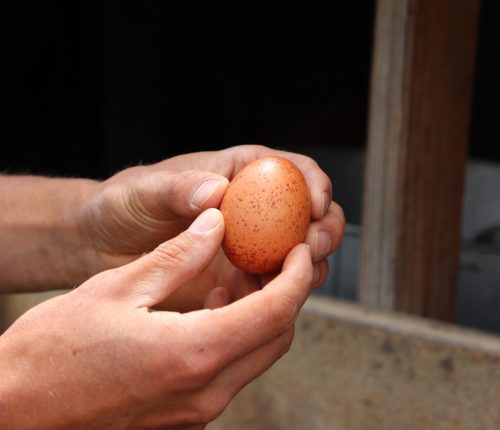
<point>91,87</point>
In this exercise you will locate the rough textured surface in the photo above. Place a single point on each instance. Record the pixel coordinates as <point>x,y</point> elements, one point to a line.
<point>353,369</point>
<point>267,210</point>
<point>12,306</point>
<point>421,92</point>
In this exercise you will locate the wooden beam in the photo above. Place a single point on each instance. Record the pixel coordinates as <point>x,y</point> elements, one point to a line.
<point>422,80</point>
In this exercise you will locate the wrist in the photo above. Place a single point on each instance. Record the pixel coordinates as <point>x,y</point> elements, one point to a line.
<point>39,227</point>
<point>77,256</point>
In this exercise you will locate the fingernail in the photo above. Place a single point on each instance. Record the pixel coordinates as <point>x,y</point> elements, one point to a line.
<point>326,202</point>
<point>322,244</point>
<point>204,191</point>
<point>208,220</point>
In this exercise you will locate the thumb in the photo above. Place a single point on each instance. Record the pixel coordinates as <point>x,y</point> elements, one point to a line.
<point>187,193</point>
<point>174,263</point>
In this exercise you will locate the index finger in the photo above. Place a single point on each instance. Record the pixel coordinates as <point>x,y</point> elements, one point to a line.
<point>237,329</point>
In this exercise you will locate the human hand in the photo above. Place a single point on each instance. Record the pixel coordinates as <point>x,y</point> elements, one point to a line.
<point>101,357</point>
<point>140,207</point>
<point>327,216</point>
<point>324,234</point>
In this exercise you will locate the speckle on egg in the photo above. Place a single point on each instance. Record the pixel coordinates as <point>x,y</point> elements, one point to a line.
<point>267,210</point>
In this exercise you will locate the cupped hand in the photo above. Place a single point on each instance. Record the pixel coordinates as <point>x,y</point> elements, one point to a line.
<point>324,235</point>
<point>140,207</point>
<point>327,227</point>
<point>102,357</point>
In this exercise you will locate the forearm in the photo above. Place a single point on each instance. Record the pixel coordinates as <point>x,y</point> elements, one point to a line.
<point>39,233</point>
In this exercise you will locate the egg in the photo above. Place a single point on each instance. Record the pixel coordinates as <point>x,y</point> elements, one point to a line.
<point>267,210</point>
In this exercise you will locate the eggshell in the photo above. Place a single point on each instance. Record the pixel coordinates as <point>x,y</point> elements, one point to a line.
<point>267,210</point>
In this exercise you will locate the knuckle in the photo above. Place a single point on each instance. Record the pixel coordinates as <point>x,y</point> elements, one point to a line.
<point>310,163</point>
<point>305,277</point>
<point>112,279</point>
<point>197,372</point>
<point>174,252</point>
<point>287,341</point>
<point>211,405</point>
<point>182,181</point>
<point>288,318</point>
<point>203,370</point>
<point>340,213</point>
<point>283,315</point>
<point>302,277</point>
<point>143,195</point>
<point>339,223</point>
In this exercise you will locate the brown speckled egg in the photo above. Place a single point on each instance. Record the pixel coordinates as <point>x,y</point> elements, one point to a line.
<point>267,210</point>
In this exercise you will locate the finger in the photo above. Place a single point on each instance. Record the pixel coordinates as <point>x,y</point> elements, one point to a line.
<point>320,273</point>
<point>221,274</point>
<point>325,236</point>
<point>191,296</point>
<point>320,185</point>
<point>245,325</point>
<point>321,270</point>
<point>217,298</point>
<point>230,161</point>
<point>163,194</point>
<point>237,282</point>
<point>240,373</point>
<point>224,387</point>
<point>246,284</point>
<point>171,265</point>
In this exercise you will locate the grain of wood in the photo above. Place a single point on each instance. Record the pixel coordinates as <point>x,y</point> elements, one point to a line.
<point>422,81</point>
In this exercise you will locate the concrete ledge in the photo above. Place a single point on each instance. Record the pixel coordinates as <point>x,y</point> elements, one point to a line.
<point>12,306</point>
<point>356,369</point>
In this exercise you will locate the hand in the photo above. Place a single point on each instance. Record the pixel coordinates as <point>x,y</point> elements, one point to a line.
<point>99,357</point>
<point>324,235</point>
<point>327,216</point>
<point>139,208</point>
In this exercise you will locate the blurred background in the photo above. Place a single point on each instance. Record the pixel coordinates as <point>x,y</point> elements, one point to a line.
<point>89,88</point>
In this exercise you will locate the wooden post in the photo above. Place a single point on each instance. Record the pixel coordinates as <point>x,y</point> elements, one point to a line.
<point>422,80</point>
